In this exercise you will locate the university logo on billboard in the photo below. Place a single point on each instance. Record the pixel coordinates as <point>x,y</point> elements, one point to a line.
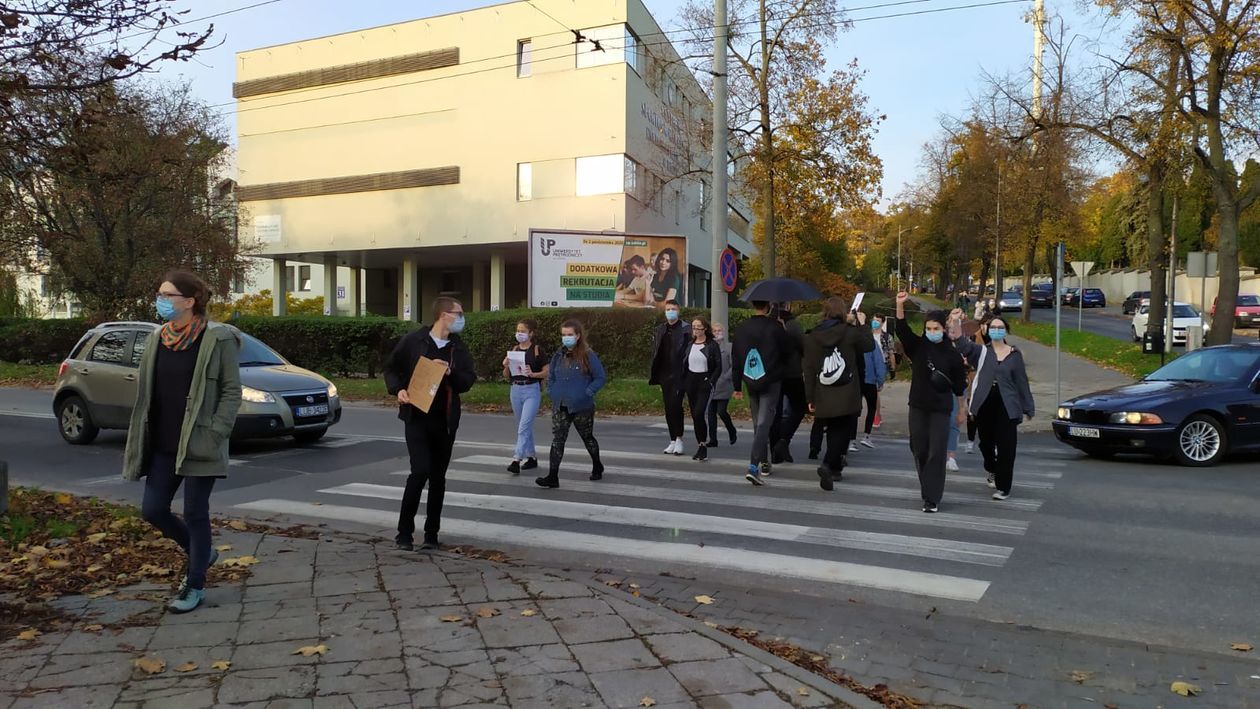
<point>545,245</point>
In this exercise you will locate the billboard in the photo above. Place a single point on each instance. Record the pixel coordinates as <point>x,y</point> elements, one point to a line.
<point>573,269</point>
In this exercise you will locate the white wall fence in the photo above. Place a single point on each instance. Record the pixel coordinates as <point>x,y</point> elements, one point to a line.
<point>1118,283</point>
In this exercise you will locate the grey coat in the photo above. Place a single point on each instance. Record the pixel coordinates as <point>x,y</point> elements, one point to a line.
<point>1012,382</point>
<point>723,389</point>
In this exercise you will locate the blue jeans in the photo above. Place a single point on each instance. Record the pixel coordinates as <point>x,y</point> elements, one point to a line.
<point>525,402</point>
<point>951,444</point>
<point>192,533</point>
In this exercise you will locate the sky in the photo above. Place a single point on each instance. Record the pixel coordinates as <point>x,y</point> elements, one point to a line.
<point>918,68</point>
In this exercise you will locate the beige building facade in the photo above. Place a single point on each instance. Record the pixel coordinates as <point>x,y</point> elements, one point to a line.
<point>412,160</point>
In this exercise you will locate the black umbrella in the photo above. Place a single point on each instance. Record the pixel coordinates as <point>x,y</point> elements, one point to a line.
<point>780,290</point>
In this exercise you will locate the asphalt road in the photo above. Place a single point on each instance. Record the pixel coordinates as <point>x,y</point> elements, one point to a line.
<point>1127,549</point>
<point>1109,322</point>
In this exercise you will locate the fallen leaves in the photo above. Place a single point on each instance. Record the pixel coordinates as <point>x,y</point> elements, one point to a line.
<point>529,612</point>
<point>150,665</point>
<point>803,691</point>
<point>487,612</point>
<point>451,618</point>
<point>239,562</point>
<point>238,525</point>
<point>186,667</point>
<point>97,538</point>
<point>704,600</point>
<point>1081,677</point>
<point>93,628</point>
<point>220,665</point>
<point>64,499</point>
<point>309,650</point>
<point>223,548</point>
<point>29,634</point>
<point>1185,689</point>
<point>1242,647</point>
<point>647,702</point>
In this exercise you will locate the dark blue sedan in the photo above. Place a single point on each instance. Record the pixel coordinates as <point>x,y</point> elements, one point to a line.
<point>1197,409</point>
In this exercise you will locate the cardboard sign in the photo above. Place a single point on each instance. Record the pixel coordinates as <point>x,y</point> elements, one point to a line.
<point>425,381</point>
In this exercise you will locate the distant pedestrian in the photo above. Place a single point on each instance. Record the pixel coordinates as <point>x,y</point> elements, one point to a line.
<point>757,354</point>
<point>430,434</point>
<point>720,398</point>
<point>792,403</point>
<point>574,377</point>
<point>1000,398</point>
<point>885,341</point>
<point>873,375</point>
<point>188,393</point>
<point>937,382</point>
<point>669,341</point>
<point>702,365</point>
<point>833,386</point>
<point>526,393</point>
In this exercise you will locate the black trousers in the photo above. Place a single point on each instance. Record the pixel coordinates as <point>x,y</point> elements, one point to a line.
<point>971,429</point>
<point>839,433</point>
<point>672,391</point>
<point>791,411</point>
<point>429,445</point>
<point>816,434</point>
<point>870,393</point>
<point>584,421</point>
<point>999,434</point>
<point>192,533</point>
<point>717,408</point>
<point>697,388</point>
<point>929,437</point>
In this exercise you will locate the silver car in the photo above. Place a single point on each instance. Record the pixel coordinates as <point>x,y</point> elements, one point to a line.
<point>96,388</point>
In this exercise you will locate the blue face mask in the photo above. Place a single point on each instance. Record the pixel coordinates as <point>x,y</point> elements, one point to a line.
<point>997,333</point>
<point>671,315</point>
<point>935,336</point>
<point>457,326</point>
<point>165,309</point>
<point>875,326</point>
<point>569,341</point>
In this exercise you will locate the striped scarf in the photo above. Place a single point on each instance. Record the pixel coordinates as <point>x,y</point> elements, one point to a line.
<point>177,338</point>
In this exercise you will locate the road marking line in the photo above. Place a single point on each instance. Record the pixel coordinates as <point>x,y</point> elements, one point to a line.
<point>716,557</point>
<point>29,415</point>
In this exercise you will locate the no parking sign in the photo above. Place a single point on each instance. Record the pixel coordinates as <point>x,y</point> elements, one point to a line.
<point>728,269</point>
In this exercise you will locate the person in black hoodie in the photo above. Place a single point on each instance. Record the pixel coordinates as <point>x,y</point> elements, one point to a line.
<point>792,403</point>
<point>833,386</point>
<point>668,344</point>
<point>757,353</point>
<point>430,436</point>
<point>938,379</point>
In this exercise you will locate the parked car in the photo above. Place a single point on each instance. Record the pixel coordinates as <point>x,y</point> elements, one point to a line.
<point>1196,409</point>
<point>1184,316</point>
<point>1130,304</point>
<point>1093,298</point>
<point>1042,296</point>
<point>1246,310</point>
<point>1010,302</point>
<point>96,388</point>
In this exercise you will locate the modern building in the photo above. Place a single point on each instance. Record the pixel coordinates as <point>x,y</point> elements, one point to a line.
<point>413,159</point>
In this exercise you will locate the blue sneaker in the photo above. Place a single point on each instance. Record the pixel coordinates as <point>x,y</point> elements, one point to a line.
<point>187,601</point>
<point>754,475</point>
<point>183,584</point>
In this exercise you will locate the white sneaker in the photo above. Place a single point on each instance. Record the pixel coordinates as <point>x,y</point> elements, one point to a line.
<point>990,482</point>
<point>852,447</point>
<point>867,442</point>
<point>678,447</point>
<point>971,447</point>
<point>669,449</point>
<point>999,495</point>
<point>951,465</point>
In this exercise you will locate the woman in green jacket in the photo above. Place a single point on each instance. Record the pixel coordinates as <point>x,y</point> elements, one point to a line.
<point>186,403</point>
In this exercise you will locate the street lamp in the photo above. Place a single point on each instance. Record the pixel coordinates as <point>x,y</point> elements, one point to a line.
<point>901,230</point>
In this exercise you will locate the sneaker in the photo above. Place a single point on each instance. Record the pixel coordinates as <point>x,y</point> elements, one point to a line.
<point>868,442</point>
<point>951,465</point>
<point>548,481</point>
<point>825,478</point>
<point>183,584</point>
<point>876,422</point>
<point>765,470</point>
<point>431,542</point>
<point>814,453</point>
<point>187,601</point>
<point>930,507</point>
<point>999,495</point>
<point>404,544</point>
<point>712,443</point>
<point>514,467</point>
<point>853,447</point>
<point>971,447</point>
<point>678,447</point>
<point>733,436</point>
<point>669,449</point>
<point>597,472</point>
<point>529,464</point>
<point>753,476</point>
<point>990,482</point>
<point>702,453</point>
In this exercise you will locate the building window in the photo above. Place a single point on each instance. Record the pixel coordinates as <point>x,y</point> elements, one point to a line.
<point>290,284</point>
<point>524,181</point>
<point>608,45</point>
<point>238,284</point>
<point>632,178</point>
<point>524,58</point>
<point>304,279</point>
<point>601,174</point>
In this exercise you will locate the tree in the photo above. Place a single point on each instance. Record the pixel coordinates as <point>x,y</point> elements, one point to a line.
<point>122,194</point>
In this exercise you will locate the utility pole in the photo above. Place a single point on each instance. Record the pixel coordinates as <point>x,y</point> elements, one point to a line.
<point>719,198</point>
<point>1039,35</point>
<point>997,244</point>
<point>1058,322</point>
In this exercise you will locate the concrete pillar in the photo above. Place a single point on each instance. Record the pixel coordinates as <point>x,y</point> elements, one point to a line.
<point>330,284</point>
<point>479,285</point>
<point>410,291</point>
<point>498,280</point>
<point>279,287</point>
<point>354,291</point>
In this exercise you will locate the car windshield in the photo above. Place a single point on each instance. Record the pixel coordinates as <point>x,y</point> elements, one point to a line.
<point>1185,311</point>
<point>1012,295</point>
<point>1249,300</point>
<point>1219,366</point>
<point>255,354</point>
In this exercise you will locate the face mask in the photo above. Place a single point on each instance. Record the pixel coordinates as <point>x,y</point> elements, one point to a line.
<point>997,333</point>
<point>875,326</point>
<point>569,341</point>
<point>457,326</point>
<point>522,337</point>
<point>719,336</point>
<point>165,308</point>
<point>935,336</point>
<point>671,315</point>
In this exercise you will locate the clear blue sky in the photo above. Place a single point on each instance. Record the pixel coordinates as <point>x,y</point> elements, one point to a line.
<point>918,68</point>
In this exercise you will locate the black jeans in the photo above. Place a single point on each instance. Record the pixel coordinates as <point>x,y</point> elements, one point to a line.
<point>791,411</point>
<point>839,432</point>
<point>717,408</point>
<point>192,533</point>
<point>584,422</point>
<point>672,390</point>
<point>429,445</point>
<point>870,393</point>
<point>697,388</point>
<point>999,434</point>
<point>929,436</point>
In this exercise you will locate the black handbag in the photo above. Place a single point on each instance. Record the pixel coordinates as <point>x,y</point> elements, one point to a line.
<point>940,380</point>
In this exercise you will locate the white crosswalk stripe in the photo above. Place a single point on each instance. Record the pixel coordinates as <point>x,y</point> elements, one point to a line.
<point>867,533</point>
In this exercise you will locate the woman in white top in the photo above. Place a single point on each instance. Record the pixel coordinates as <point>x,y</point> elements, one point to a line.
<point>702,365</point>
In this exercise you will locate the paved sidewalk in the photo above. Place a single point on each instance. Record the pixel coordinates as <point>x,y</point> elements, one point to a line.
<point>386,628</point>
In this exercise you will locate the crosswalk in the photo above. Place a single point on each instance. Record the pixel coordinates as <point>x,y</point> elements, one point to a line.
<point>649,507</point>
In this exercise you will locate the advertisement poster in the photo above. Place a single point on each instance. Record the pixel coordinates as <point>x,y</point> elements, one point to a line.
<point>590,269</point>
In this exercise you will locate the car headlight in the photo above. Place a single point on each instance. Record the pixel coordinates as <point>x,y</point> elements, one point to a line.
<point>1135,418</point>
<point>254,396</point>
<point>1064,413</point>
<point>332,390</point>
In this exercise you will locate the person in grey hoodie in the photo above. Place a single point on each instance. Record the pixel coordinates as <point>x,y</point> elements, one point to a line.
<point>722,391</point>
<point>1000,398</point>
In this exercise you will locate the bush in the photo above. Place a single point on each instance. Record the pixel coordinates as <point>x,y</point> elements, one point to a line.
<point>39,341</point>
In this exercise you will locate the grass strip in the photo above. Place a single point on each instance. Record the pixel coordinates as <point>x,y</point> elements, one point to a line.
<point>1105,351</point>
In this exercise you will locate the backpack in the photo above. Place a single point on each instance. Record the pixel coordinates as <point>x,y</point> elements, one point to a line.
<point>754,366</point>
<point>835,371</point>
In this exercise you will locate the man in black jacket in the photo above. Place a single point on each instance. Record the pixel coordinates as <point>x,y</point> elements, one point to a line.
<point>430,435</point>
<point>792,403</point>
<point>668,342</point>
<point>764,338</point>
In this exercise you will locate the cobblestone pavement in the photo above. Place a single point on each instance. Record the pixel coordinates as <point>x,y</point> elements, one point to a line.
<point>944,660</point>
<point>394,629</point>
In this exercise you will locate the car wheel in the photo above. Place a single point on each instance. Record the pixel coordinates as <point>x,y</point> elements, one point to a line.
<point>74,422</point>
<point>305,437</point>
<point>1200,441</point>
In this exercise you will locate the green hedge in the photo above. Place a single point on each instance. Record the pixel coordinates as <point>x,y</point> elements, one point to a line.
<point>39,341</point>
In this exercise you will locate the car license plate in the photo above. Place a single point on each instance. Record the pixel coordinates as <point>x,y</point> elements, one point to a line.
<point>308,411</point>
<point>1082,432</point>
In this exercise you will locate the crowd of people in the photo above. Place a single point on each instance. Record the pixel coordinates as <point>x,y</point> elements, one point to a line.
<point>962,374</point>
